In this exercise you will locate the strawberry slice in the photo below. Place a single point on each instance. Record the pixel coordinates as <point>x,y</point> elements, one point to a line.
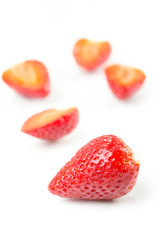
<point>29,78</point>
<point>105,168</point>
<point>124,81</point>
<point>89,54</point>
<point>51,124</point>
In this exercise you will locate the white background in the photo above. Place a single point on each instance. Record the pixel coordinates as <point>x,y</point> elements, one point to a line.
<point>46,30</point>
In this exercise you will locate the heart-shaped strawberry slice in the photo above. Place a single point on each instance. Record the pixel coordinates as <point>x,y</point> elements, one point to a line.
<point>29,78</point>
<point>89,54</point>
<point>124,81</point>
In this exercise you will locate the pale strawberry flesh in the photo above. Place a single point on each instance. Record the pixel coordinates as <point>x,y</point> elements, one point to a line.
<point>89,54</point>
<point>124,81</point>
<point>29,78</point>
<point>52,124</point>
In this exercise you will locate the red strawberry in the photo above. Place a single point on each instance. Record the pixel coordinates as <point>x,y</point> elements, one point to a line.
<point>51,124</point>
<point>89,54</point>
<point>105,168</point>
<point>29,78</point>
<point>124,81</point>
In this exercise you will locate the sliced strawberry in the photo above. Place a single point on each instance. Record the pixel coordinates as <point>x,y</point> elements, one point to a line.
<point>89,54</point>
<point>29,78</point>
<point>105,168</point>
<point>124,81</point>
<point>51,124</point>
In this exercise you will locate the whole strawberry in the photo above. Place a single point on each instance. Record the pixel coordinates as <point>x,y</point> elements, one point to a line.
<point>105,168</point>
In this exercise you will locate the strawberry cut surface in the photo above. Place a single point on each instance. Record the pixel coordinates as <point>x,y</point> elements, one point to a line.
<point>89,54</point>
<point>105,168</point>
<point>29,78</point>
<point>124,81</point>
<point>51,124</point>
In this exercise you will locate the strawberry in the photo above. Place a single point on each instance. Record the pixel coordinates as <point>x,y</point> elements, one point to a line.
<point>89,54</point>
<point>124,81</point>
<point>105,168</point>
<point>51,124</point>
<point>29,78</point>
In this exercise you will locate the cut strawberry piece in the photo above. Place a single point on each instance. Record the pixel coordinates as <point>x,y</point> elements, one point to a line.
<point>51,124</point>
<point>124,81</point>
<point>105,168</point>
<point>29,78</point>
<point>89,54</point>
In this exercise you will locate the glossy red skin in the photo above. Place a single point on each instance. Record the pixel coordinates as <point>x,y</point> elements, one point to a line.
<point>104,168</point>
<point>38,91</point>
<point>124,92</point>
<point>58,128</point>
<point>121,91</point>
<point>98,61</point>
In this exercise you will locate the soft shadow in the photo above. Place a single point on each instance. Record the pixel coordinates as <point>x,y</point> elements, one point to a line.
<point>40,143</point>
<point>85,201</point>
<point>141,191</point>
<point>115,103</point>
<point>72,138</point>
<point>136,98</point>
<point>118,201</point>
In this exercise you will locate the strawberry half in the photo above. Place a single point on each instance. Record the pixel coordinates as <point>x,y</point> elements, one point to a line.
<point>89,54</point>
<point>124,81</point>
<point>29,78</point>
<point>105,168</point>
<point>51,124</point>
